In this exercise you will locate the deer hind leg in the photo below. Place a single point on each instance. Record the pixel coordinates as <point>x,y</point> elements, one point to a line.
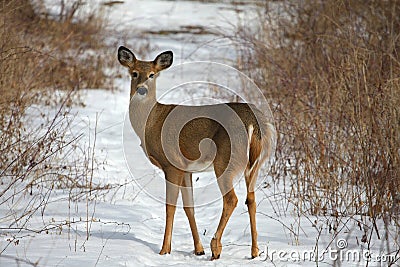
<point>225,183</point>
<point>251,174</point>
<point>229,204</point>
<point>173,179</point>
<point>252,206</point>
<point>188,206</point>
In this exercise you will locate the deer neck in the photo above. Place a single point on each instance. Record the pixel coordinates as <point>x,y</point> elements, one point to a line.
<point>140,107</point>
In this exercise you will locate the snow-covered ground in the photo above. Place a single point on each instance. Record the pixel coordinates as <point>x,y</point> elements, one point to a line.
<point>125,226</point>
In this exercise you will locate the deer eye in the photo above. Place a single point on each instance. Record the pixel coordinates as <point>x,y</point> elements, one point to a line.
<point>135,74</point>
<point>151,76</point>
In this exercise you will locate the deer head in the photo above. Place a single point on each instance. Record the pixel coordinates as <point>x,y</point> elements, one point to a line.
<point>144,73</point>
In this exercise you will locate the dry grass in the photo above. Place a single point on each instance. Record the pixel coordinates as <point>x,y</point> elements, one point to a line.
<point>331,70</point>
<point>44,61</point>
<point>39,57</point>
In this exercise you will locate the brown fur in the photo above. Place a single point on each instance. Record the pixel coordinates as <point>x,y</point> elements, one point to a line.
<point>150,118</point>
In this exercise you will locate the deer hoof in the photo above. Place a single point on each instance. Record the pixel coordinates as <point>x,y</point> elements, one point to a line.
<point>199,253</point>
<point>216,248</point>
<point>213,257</point>
<point>165,251</point>
<point>254,252</point>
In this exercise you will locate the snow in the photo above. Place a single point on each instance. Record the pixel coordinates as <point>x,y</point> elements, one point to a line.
<point>125,226</point>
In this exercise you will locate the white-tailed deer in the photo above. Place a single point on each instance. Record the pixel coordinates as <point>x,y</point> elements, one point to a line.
<point>232,138</point>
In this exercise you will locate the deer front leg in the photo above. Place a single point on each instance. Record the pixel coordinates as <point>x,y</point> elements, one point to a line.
<point>173,181</point>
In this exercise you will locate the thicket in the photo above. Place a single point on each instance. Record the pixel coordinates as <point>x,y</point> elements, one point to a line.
<point>46,57</point>
<point>331,70</point>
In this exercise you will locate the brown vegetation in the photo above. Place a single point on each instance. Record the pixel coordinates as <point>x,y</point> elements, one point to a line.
<point>331,71</point>
<point>44,59</point>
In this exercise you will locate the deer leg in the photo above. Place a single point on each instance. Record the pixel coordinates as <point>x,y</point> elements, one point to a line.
<point>225,171</point>
<point>251,206</point>
<point>256,158</point>
<point>188,206</point>
<point>230,202</point>
<point>251,175</point>
<point>173,181</point>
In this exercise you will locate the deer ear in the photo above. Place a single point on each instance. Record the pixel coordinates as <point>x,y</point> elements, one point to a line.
<point>126,57</point>
<point>163,60</point>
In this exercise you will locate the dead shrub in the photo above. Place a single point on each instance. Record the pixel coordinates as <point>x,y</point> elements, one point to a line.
<point>331,71</point>
<point>44,61</point>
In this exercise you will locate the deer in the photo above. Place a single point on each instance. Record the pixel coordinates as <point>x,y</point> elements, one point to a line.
<point>182,140</point>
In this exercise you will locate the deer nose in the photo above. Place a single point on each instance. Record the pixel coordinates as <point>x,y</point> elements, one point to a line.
<point>141,90</point>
